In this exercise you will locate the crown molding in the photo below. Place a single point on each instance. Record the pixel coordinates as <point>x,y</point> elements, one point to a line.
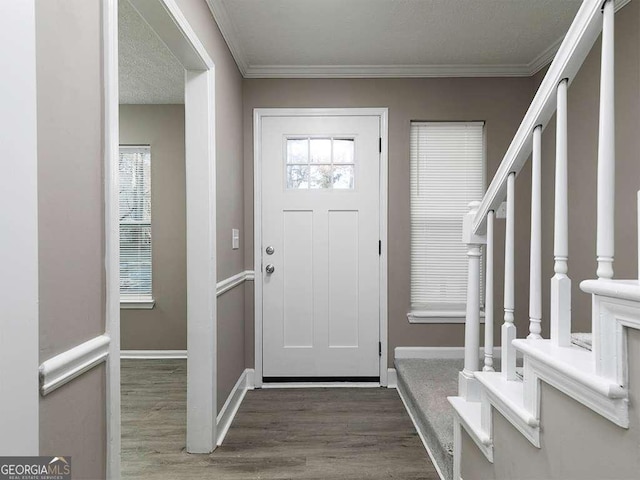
<point>545,58</point>
<point>229,33</point>
<point>620,4</point>
<point>385,71</point>
<point>232,38</point>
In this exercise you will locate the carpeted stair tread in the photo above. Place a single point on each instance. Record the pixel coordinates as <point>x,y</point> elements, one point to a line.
<point>426,384</point>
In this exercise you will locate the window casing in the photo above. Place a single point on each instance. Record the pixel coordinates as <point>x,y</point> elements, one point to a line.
<point>447,172</point>
<point>135,227</point>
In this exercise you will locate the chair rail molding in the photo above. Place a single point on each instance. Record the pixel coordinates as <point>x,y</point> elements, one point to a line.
<point>70,364</point>
<point>227,284</point>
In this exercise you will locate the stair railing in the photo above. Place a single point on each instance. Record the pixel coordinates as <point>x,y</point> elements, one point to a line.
<point>593,17</point>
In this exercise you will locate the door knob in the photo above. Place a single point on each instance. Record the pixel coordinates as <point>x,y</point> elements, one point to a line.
<point>270,269</point>
<point>270,250</point>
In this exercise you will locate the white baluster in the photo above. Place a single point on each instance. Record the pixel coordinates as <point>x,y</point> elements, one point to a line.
<point>467,384</point>
<point>535,261</point>
<point>488,298</point>
<point>560,283</point>
<point>508,327</point>
<point>606,149</point>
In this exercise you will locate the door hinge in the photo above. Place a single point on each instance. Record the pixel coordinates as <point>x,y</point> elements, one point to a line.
<point>379,247</point>
<point>379,349</point>
<point>380,144</point>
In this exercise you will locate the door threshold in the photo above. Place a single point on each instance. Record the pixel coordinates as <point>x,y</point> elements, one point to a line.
<point>321,382</point>
<point>321,385</point>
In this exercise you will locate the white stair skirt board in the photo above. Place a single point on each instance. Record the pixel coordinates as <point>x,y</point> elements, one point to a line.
<point>438,352</point>
<point>469,415</point>
<point>153,354</point>
<point>232,404</point>
<point>507,396</point>
<point>572,371</point>
<point>420,434</point>
<point>64,367</point>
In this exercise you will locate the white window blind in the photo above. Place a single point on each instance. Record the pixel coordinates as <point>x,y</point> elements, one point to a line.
<point>447,172</point>
<point>135,222</point>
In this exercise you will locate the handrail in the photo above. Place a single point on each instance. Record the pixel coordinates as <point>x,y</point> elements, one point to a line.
<point>575,47</point>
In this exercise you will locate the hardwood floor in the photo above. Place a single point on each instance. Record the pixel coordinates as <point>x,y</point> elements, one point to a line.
<point>338,433</point>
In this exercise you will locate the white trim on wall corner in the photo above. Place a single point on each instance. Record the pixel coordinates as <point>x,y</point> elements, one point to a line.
<point>111,232</point>
<point>64,367</point>
<point>233,402</point>
<point>233,281</point>
<point>19,345</point>
<point>153,354</point>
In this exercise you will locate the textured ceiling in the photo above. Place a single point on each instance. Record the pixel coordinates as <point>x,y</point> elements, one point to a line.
<point>502,35</point>
<point>148,71</point>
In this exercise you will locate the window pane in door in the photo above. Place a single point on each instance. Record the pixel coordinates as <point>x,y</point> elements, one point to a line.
<point>297,150</point>
<point>321,176</point>
<point>320,150</point>
<point>343,176</point>
<point>343,150</point>
<point>297,176</point>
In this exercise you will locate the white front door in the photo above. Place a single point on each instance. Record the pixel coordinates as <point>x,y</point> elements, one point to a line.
<point>320,246</point>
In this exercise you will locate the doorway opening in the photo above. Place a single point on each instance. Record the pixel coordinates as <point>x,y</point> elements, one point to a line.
<point>133,232</point>
<point>320,216</point>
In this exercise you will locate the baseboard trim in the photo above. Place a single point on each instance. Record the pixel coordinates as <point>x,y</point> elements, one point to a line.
<point>437,352</point>
<point>422,437</point>
<point>64,367</point>
<point>153,354</point>
<point>232,404</point>
<point>392,378</point>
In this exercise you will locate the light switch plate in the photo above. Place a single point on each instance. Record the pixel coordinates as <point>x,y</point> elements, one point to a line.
<point>235,239</point>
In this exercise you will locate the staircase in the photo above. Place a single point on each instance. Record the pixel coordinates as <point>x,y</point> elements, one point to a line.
<point>589,368</point>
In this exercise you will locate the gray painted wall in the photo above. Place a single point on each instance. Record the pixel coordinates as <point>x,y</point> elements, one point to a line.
<point>501,102</point>
<point>71,222</point>
<point>165,326</point>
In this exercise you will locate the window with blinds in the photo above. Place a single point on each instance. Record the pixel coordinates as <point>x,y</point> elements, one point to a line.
<point>447,172</point>
<point>135,223</point>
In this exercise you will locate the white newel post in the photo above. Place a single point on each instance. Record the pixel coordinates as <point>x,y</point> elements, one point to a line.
<point>560,283</point>
<point>466,381</point>
<point>508,327</point>
<point>535,260</point>
<point>606,149</point>
<point>488,298</point>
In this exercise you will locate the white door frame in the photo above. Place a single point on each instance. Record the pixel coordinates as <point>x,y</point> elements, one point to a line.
<point>258,115</point>
<point>19,348</point>
<point>168,21</point>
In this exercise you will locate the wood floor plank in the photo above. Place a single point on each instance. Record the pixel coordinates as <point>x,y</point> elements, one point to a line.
<point>278,434</point>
